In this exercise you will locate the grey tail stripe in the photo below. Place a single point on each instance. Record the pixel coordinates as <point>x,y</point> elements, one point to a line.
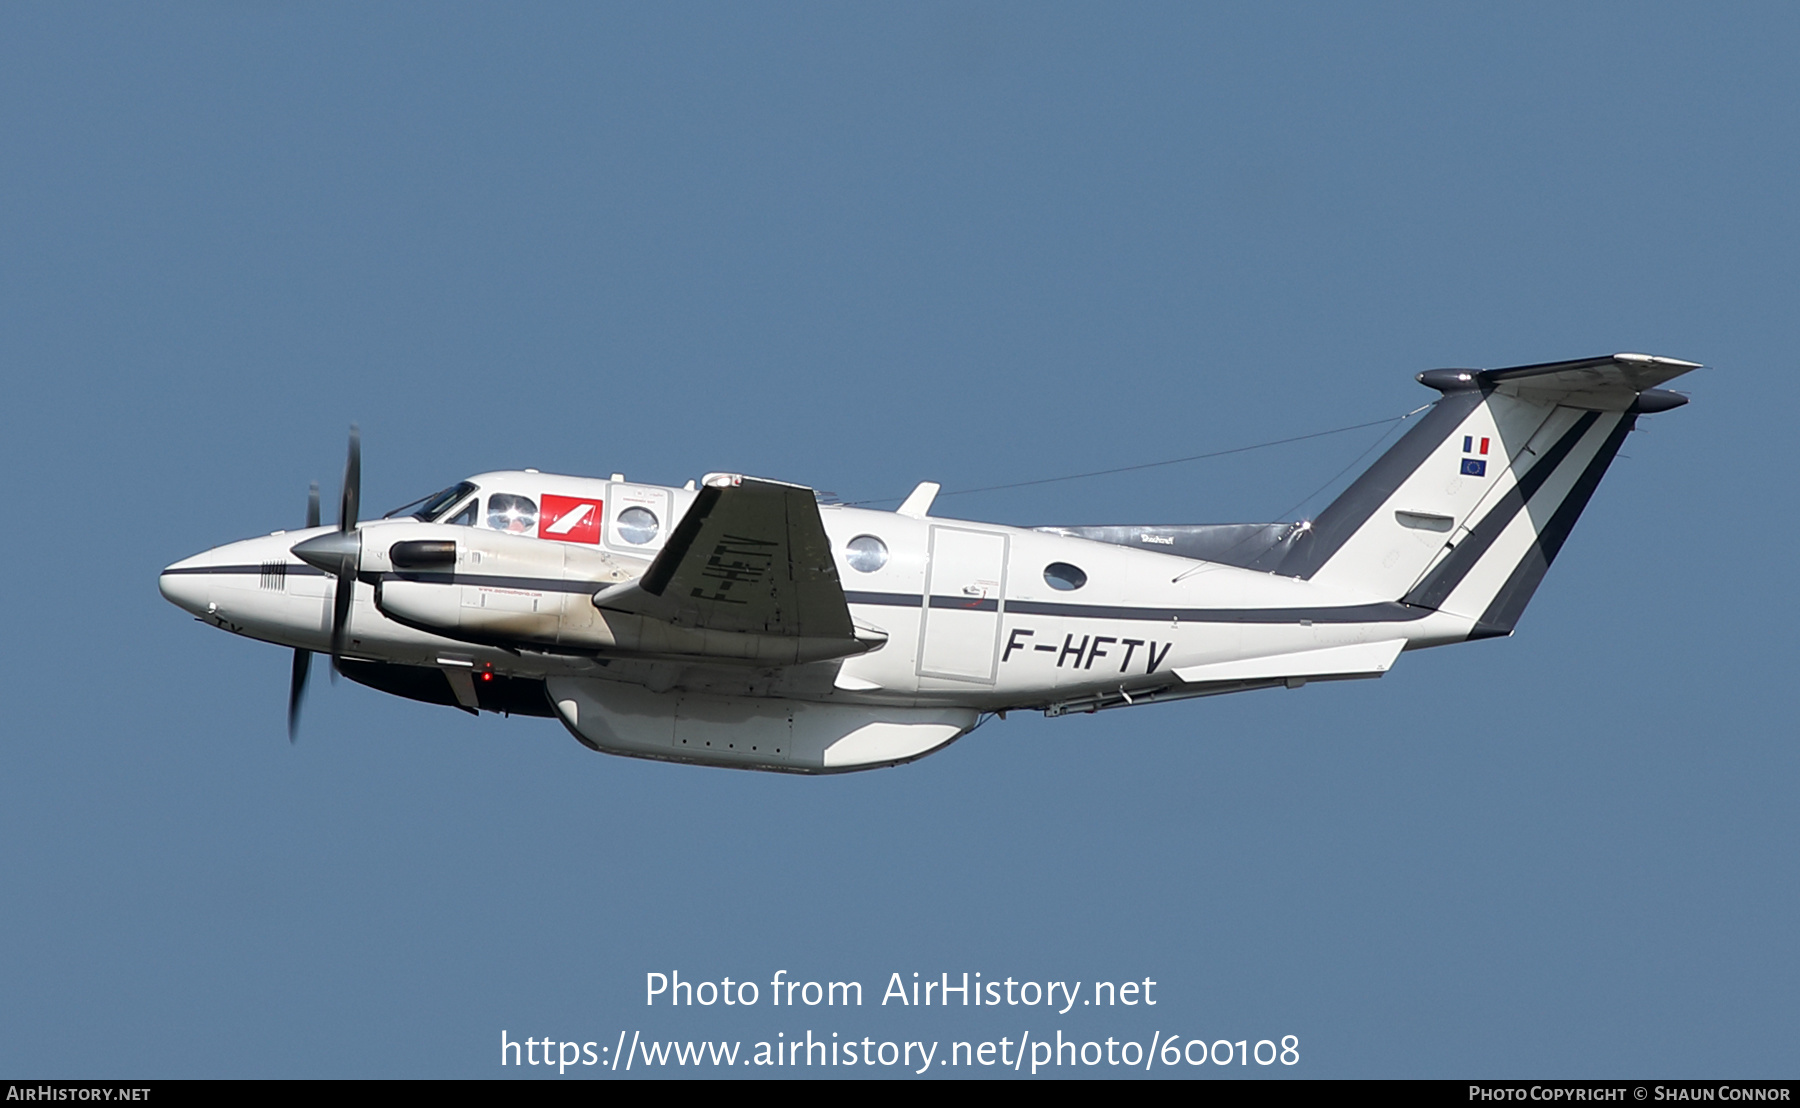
<point>1345,516</point>
<point>1451,571</point>
<point>1503,611</point>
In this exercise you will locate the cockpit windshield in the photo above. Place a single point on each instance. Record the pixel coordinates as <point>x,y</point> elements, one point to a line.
<point>428,508</point>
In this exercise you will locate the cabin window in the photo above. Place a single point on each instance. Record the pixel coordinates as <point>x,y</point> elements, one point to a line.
<point>1064,577</point>
<point>637,526</point>
<point>866,553</point>
<point>466,517</point>
<point>512,513</point>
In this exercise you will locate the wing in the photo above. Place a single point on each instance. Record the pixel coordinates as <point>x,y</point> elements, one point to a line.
<point>750,556</point>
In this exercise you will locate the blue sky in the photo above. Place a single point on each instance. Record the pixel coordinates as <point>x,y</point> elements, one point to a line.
<point>860,247</point>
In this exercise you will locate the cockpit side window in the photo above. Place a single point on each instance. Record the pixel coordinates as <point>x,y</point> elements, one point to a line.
<point>512,513</point>
<point>466,517</point>
<point>427,508</point>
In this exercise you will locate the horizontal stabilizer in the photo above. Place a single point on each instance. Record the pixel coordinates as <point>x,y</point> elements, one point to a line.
<point>1370,659</point>
<point>1609,383</point>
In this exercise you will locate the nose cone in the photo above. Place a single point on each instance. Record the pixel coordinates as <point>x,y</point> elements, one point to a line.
<point>335,552</point>
<point>187,584</point>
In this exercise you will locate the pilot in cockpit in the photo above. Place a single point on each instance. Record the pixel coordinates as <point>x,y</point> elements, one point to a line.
<point>442,507</point>
<point>511,513</point>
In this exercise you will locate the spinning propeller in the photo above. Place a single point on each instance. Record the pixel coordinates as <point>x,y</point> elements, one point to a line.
<point>338,554</point>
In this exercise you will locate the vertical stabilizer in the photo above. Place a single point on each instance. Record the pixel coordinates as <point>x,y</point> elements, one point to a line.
<point>1465,513</point>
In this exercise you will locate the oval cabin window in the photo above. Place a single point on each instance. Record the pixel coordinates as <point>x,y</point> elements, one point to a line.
<point>1064,577</point>
<point>637,526</point>
<point>866,553</point>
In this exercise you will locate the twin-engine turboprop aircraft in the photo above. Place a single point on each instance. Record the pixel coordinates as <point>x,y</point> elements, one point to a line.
<point>742,623</point>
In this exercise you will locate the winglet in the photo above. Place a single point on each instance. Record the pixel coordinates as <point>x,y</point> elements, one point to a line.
<point>918,505</point>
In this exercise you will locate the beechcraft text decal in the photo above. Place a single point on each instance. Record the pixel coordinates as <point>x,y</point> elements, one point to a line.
<point>1082,653</point>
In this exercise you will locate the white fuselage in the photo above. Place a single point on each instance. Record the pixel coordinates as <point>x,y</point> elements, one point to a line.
<point>996,634</point>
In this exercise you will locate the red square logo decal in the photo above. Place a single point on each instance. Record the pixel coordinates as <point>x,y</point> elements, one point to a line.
<point>570,519</point>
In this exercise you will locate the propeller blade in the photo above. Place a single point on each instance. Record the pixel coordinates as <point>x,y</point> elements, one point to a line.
<point>346,574</point>
<point>352,498</point>
<point>339,555</point>
<point>340,615</point>
<point>297,689</point>
<point>312,506</point>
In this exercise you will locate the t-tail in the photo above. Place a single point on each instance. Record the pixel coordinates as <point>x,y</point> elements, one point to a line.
<point>1466,512</point>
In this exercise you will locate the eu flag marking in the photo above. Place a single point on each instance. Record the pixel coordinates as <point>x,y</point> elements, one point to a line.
<point>1474,467</point>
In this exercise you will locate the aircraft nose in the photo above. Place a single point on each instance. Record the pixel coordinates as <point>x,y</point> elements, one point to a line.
<point>187,586</point>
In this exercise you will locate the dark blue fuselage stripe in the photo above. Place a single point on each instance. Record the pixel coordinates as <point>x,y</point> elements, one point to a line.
<point>963,603</point>
<point>1384,612</point>
<point>525,584</point>
<point>884,599</point>
<point>292,569</point>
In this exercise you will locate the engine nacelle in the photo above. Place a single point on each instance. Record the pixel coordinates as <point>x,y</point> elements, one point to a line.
<point>489,586</point>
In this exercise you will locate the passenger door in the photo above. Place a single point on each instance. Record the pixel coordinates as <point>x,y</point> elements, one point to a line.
<point>965,595</point>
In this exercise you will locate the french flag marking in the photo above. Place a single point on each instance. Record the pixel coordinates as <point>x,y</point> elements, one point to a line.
<point>1475,467</point>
